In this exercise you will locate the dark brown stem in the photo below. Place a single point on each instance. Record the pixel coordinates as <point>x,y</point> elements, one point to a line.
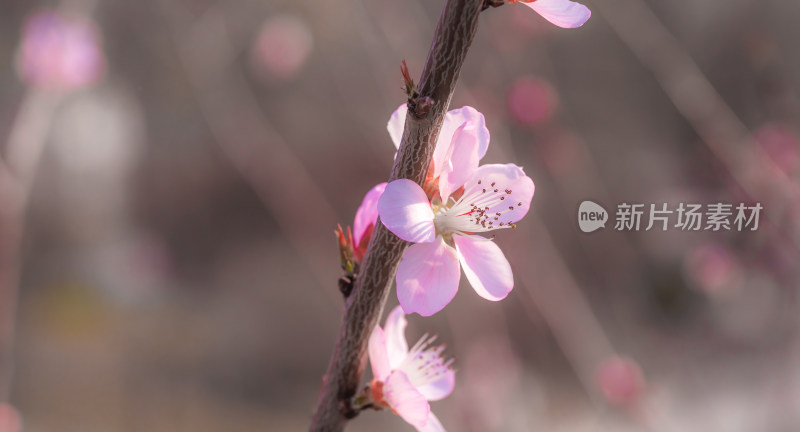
<point>492,3</point>
<point>454,33</point>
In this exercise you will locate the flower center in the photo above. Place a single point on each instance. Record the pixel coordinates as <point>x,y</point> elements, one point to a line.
<point>424,363</point>
<point>481,208</point>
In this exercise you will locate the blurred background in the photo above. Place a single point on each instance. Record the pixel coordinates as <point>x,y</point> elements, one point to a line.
<point>173,172</point>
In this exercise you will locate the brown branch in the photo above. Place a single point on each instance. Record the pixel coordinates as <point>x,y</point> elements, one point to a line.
<point>454,33</point>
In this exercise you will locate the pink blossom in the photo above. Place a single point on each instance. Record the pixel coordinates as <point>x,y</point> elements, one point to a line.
<point>563,13</point>
<point>464,199</point>
<point>406,379</point>
<point>714,269</point>
<point>59,52</point>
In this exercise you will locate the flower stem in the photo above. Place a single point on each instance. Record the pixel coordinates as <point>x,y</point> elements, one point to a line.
<point>455,30</point>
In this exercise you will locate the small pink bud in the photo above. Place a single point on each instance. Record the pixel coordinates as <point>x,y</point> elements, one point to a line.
<point>361,247</point>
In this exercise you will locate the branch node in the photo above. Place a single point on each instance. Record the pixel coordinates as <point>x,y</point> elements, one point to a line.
<point>346,284</point>
<point>422,106</point>
<point>346,408</point>
<point>492,3</point>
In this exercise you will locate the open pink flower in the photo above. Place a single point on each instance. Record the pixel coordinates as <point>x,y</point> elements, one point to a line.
<point>563,13</point>
<point>405,380</point>
<point>470,199</point>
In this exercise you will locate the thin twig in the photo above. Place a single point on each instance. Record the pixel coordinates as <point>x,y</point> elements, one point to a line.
<point>11,227</point>
<point>25,146</point>
<point>454,33</point>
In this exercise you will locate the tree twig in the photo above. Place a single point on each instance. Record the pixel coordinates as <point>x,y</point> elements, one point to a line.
<point>24,150</point>
<point>457,26</point>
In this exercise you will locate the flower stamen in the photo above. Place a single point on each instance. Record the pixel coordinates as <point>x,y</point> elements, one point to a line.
<point>424,363</point>
<point>470,213</point>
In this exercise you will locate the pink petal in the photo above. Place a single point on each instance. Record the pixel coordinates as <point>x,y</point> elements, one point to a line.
<point>378,354</point>
<point>433,425</point>
<point>485,265</point>
<point>427,277</point>
<point>397,122</point>
<point>461,160</point>
<point>367,213</point>
<point>441,388</point>
<point>515,205</point>
<point>396,343</point>
<point>452,121</point>
<point>405,400</point>
<point>406,211</point>
<point>563,13</point>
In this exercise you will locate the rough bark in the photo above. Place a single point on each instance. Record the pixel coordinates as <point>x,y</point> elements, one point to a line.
<point>454,33</point>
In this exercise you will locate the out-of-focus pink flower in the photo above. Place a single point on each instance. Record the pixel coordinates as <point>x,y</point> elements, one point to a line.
<point>620,380</point>
<point>10,420</point>
<point>531,101</point>
<point>58,52</point>
<point>713,269</point>
<point>464,199</point>
<point>405,380</point>
<point>282,47</point>
<point>563,13</point>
